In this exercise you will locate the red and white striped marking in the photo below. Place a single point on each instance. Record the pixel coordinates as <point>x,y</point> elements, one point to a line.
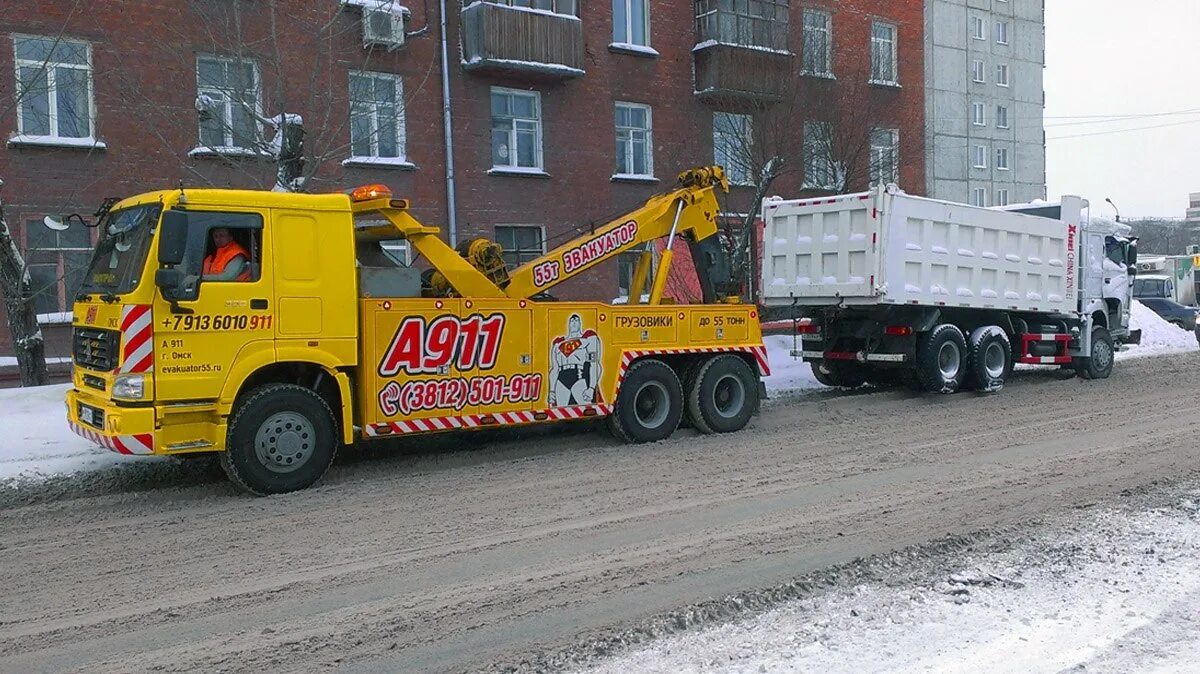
<point>519,417</point>
<point>141,444</point>
<point>1062,358</point>
<point>137,345</point>
<point>759,353</point>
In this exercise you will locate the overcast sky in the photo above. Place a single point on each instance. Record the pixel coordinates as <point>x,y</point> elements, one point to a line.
<point>1119,58</point>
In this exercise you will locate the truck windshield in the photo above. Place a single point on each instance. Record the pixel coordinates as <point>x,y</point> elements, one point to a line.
<point>116,267</point>
<point>1149,287</point>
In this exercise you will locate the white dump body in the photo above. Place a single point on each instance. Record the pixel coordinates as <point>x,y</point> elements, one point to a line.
<point>886,247</point>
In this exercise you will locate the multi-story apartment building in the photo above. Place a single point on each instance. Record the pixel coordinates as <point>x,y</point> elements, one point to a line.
<point>557,114</point>
<point>1193,210</point>
<point>984,101</point>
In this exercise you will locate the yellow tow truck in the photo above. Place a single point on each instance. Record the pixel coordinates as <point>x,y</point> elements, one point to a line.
<point>325,339</point>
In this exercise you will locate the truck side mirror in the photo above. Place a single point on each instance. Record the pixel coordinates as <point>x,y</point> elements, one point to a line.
<point>1131,270</point>
<point>172,239</point>
<point>170,282</point>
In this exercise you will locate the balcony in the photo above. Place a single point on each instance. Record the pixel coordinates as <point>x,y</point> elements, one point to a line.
<point>543,40</point>
<point>742,50</point>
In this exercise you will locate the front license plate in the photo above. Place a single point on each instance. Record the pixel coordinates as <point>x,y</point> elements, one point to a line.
<point>89,415</point>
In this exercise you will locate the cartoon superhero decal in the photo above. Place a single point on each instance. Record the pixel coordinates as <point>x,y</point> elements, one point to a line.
<point>575,366</point>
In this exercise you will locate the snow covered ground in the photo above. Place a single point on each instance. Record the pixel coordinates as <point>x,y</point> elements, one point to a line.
<point>38,444</point>
<point>1115,592</point>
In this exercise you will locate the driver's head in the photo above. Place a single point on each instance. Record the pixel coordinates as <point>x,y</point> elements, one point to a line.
<point>221,237</point>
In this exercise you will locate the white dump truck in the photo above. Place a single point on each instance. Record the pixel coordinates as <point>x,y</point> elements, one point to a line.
<point>885,286</point>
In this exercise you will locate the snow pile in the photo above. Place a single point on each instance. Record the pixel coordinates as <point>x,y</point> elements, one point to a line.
<point>1158,336</point>
<point>1116,594</point>
<point>37,440</point>
<point>788,374</point>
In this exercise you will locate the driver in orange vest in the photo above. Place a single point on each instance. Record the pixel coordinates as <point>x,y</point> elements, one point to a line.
<point>229,261</point>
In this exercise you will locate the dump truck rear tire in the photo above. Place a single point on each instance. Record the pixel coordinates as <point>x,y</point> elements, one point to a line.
<point>650,403</point>
<point>990,358</point>
<point>942,359</point>
<point>723,395</point>
<point>282,438</point>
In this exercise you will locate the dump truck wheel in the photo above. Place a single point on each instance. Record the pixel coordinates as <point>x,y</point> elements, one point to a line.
<point>1100,362</point>
<point>649,404</point>
<point>723,395</point>
<point>282,438</point>
<point>941,359</point>
<point>990,357</point>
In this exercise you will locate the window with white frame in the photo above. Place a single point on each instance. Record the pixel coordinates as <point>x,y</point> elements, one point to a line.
<point>1002,32</point>
<point>1002,158</point>
<point>978,114</point>
<point>978,31</point>
<point>1001,197</point>
<point>883,53</point>
<point>376,116</point>
<point>57,263</point>
<point>635,151</point>
<point>516,129</point>
<point>1002,75</point>
<point>979,196</point>
<point>978,71</point>
<point>521,243</point>
<point>818,43</point>
<point>54,84</point>
<point>885,156</point>
<point>631,22</point>
<point>1002,116</point>
<point>750,23</point>
<point>626,265</point>
<point>819,166</point>
<point>733,140</point>
<point>979,159</point>
<point>232,87</point>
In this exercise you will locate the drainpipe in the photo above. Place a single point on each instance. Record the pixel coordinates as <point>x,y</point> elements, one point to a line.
<point>448,134</point>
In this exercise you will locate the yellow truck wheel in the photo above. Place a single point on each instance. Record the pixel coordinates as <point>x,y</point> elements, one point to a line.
<point>723,395</point>
<point>649,404</point>
<point>282,438</point>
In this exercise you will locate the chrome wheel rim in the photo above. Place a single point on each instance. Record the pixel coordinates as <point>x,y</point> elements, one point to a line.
<point>949,360</point>
<point>993,360</point>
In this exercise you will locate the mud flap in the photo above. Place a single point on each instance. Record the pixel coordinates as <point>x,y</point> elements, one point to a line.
<point>1135,337</point>
<point>762,395</point>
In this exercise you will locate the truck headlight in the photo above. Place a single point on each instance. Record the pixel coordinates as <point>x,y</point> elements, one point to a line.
<point>129,386</point>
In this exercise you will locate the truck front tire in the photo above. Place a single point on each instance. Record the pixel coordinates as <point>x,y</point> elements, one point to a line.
<point>282,438</point>
<point>1099,364</point>
<point>649,404</point>
<point>942,359</point>
<point>722,395</point>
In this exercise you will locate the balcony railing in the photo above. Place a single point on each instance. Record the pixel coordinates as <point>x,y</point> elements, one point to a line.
<point>540,39</point>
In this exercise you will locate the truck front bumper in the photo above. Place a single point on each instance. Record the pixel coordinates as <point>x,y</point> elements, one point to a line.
<point>125,430</point>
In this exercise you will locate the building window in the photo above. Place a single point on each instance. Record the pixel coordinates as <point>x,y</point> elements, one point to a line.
<point>635,151</point>
<point>631,22</point>
<point>977,29</point>
<point>883,53</point>
<point>1002,32</point>
<point>1002,116</point>
<point>230,119</point>
<point>980,157</point>
<point>567,7</point>
<point>1002,158</point>
<point>733,140</point>
<point>1001,197</point>
<point>516,129</point>
<point>818,43</point>
<point>750,23</point>
<point>376,116</point>
<point>521,243</point>
<point>979,197</point>
<point>978,114</point>
<point>626,264</point>
<point>819,169</point>
<point>885,155</point>
<point>978,71</point>
<point>57,263</point>
<point>1002,75</point>
<point>54,82</point>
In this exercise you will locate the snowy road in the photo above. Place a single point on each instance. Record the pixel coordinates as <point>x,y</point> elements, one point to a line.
<point>511,552</point>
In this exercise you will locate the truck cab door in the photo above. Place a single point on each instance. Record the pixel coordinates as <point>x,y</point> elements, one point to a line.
<point>196,344</point>
<point>1118,283</point>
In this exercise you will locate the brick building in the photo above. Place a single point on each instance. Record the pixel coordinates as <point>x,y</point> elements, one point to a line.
<point>561,113</point>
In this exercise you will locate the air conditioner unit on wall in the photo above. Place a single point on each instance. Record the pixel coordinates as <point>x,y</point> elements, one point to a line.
<point>1193,249</point>
<point>384,22</point>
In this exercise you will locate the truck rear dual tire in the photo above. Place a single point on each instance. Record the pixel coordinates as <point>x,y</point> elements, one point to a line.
<point>990,358</point>
<point>282,438</point>
<point>942,359</point>
<point>649,405</point>
<point>1100,362</point>
<point>722,395</point>
<point>839,373</point>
